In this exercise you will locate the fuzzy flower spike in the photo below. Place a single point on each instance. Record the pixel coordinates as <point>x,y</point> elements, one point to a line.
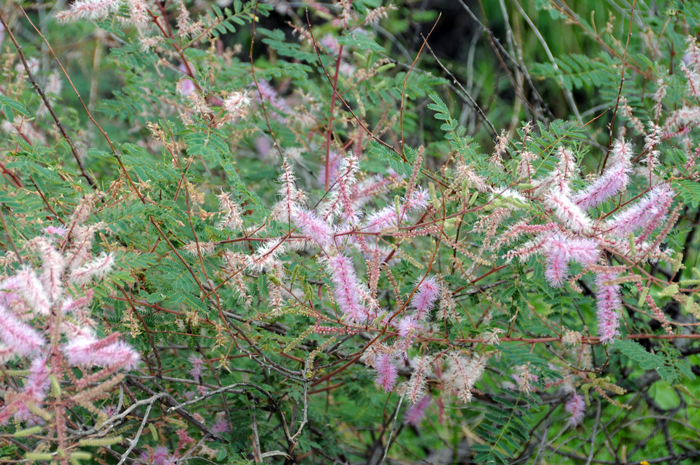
<point>34,307</point>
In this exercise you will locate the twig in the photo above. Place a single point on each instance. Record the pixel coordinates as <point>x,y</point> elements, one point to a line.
<point>257,86</point>
<point>567,92</point>
<point>498,48</point>
<point>214,393</point>
<point>464,91</point>
<point>193,448</point>
<point>619,90</point>
<point>9,237</point>
<point>391,434</point>
<point>87,111</point>
<point>328,77</point>
<point>329,136</point>
<point>168,399</point>
<point>138,434</point>
<point>405,80</point>
<point>39,91</point>
<point>256,438</point>
<point>595,427</point>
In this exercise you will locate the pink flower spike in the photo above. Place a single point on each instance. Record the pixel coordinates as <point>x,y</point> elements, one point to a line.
<point>291,197</point>
<point>462,374</point>
<point>415,415</point>
<point>425,297</point>
<point>314,228</point>
<point>236,103</point>
<point>231,212</point>
<point>559,250</point>
<point>59,231</point>
<point>417,386</point>
<point>197,363</point>
<point>183,439</point>
<point>265,255</point>
<point>70,305</point>
<point>610,183</point>
<point>557,269</point>
<point>608,302</point>
<point>417,201</point>
<point>138,12</point>
<point>583,251</point>
<point>35,387</point>
<point>160,456</point>
<point>38,380</point>
<point>346,287</point>
<point>387,371</point>
<point>53,266</point>
<point>220,426</point>
<point>650,207</point>
<point>19,337</point>
<point>105,353</point>
<point>383,219</point>
<point>98,268</point>
<point>29,286</point>
<point>88,9</point>
<point>576,406</point>
<point>568,212</point>
<point>408,327</point>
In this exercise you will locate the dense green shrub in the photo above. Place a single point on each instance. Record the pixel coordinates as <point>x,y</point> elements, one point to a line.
<point>278,232</point>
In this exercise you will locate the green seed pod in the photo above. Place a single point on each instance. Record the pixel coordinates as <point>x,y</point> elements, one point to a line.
<point>29,431</point>
<point>677,264</point>
<point>669,291</point>
<point>433,196</point>
<point>55,386</point>
<point>34,456</point>
<point>360,56</point>
<point>308,291</point>
<point>110,441</point>
<point>75,457</point>
<point>465,189</point>
<point>293,277</point>
<point>633,247</point>
<point>154,432</point>
<point>643,296</point>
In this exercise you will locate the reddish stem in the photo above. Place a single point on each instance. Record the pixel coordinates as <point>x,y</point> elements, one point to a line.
<point>330,120</point>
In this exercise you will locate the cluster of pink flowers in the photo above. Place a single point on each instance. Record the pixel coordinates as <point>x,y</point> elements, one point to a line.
<point>346,288</point>
<point>89,9</point>
<point>416,414</point>
<point>196,372</point>
<point>34,305</point>
<point>608,302</point>
<point>463,373</point>
<point>577,238</point>
<point>559,250</point>
<point>387,371</point>
<point>576,408</point>
<point>425,297</point>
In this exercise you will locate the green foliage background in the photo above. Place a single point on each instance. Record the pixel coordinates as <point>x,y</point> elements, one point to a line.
<point>126,88</point>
